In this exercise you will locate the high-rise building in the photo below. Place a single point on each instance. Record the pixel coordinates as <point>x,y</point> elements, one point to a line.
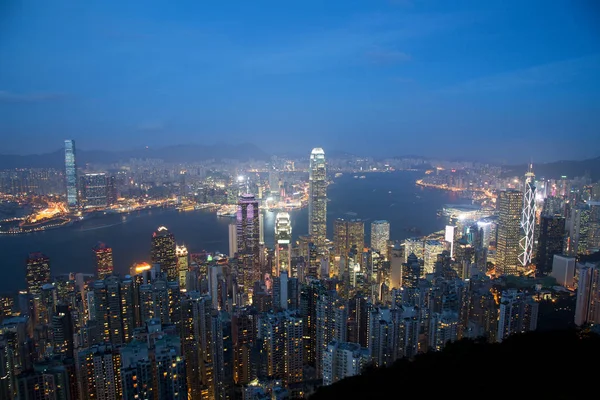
<point>331,317</point>
<point>563,269</point>
<point>317,198</point>
<point>113,309</point>
<point>528,219</point>
<point>163,252</point>
<point>342,360</point>
<point>283,243</point>
<point>518,314</point>
<point>348,234</point>
<point>587,305</point>
<point>104,260</point>
<point>71,174</point>
<point>432,249</point>
<point>550,242</point>
<point>98,372</point>
<point>183,264</point>
<point>248,229</point>
<point>232,240</point>
<point>509,205</point>
<point>380,235</point>
<point>38,272</point>
<point>111,190</point>
<point>94,190</point>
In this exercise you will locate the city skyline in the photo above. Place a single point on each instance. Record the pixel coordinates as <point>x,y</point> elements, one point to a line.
<point>462,75</point>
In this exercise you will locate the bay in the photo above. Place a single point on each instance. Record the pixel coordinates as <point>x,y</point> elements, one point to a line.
<point>391,196</point>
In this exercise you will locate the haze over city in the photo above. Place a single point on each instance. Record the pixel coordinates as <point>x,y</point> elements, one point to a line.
<point>514,80</point>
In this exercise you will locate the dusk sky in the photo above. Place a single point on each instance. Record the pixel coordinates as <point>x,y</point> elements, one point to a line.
<point>512,80</point>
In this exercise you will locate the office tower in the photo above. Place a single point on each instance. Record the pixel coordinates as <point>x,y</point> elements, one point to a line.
<point>578,227</point>
<point>38,272</point>
<point>94,189</point>
<point>104,260</point>
<point>518,314</point>
<point>261,227</point>
<point>317,198</point>
<point>232,240</point>
<point>587,306</point>
<point>342,360</point>
<point>71,175</point>
<point>98,372</point>
<point>163,252</point>
<point>380,235</point>
<point>528,219</point>
<point>283,243</point>
<point>563,269</point>
<point>347,234</point>
<point>62,331</point>
<point>509,206</point>
<point>451,238</point>
<point>414,246</point>
<point>111,190</point>
<point>248,229</point>
<point>432,249</point>
<point>550,242</point>
<point>183,263</point>
<point>182,184</point>
<point>331,317</point>
<point>113,309</point>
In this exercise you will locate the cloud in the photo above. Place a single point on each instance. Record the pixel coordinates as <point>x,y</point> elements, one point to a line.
<point>540,75</point>
<point>34,97</point>
<point>387,56</point>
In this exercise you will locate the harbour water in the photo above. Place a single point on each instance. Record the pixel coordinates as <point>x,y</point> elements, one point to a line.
<point>410,209</point>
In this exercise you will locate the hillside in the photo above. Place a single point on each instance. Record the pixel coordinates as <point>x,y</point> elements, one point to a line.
<point>543,365</point>
<point>569,168</point>
<point>179,153</point>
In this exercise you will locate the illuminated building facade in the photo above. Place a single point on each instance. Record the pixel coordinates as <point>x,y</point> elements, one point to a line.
<point>38,272</point>
<point>528,219</point>
<point>380,235</point>
<point>104,260</point>
<point>342,360</point>
<point>71,174</point>
<point>94,190</point>
<point>518,314</point>
<point>348,234</point>
<point>163,252</point>
<point>317,200</point>
<point>283,243</point>
<point>98,372</point>
<point>432,249</point>
<point>183,264</point>
<point>509,206</point>
<point>248,229</point>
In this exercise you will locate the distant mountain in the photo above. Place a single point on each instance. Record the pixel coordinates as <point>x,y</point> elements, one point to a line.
<point>178,153</point>
<point>557,169</point>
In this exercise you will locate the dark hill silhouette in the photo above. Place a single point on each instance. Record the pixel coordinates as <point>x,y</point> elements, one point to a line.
<point>555,170</point>
<point>536,365</point>
<point>177,153</point>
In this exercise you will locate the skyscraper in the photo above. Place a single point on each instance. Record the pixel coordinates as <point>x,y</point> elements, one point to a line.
<point>380,235</point>
<point>317,200</point>
<point>71,174</point>
<point>163,252</point>
<point>550,242</point>
<point>283,243</point>
<point>104,260</point>
<point>38,272</point>
<point>94,190</point>
<point>509,206</point>
<point>248,229</point>
<point>346,234</point>
<point>182,264</point>
<point>232,229</point>
<point>587,305</point>
<point>528,219</point>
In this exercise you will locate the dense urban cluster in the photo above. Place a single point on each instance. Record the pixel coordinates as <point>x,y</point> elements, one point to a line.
<point>262,322</point>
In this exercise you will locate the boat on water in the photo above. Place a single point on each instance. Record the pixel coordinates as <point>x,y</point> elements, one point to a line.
<point>228,210</point>
<point>338,174</point>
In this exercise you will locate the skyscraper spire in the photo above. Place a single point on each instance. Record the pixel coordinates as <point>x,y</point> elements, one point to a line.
<point>528,219</point>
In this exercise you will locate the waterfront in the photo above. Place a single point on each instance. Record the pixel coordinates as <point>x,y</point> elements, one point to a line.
<point>391,196</point>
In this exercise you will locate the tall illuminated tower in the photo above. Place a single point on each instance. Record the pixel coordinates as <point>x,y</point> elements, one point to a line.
<point>163,252</point>
<point>182,264</point>
<point>104,260</point>
<point>38,272</point>
<point>380,234</point>
<point>528,219</point>
<point>509,206</point>
<point>317,200</point>
<point>71,174</point>
<point>248,227</point>
<point>283,243</point>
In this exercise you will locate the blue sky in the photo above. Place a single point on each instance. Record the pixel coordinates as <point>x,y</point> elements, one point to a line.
<point>508,80</point>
